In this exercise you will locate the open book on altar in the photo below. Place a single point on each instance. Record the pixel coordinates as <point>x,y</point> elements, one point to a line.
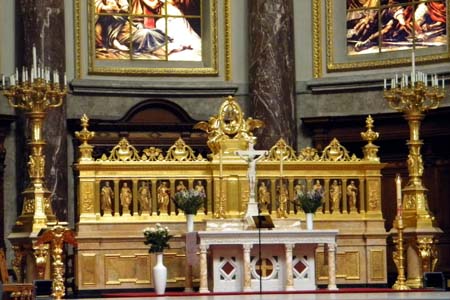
<point>263,221</point>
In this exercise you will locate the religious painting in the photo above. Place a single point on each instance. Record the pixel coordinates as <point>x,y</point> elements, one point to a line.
<point>364,34</point>
<point>394,25</point>
<point>160,37</point>
<point>148,30</point>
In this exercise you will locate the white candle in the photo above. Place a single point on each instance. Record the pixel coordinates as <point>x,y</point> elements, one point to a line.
<point>65,79</point>
<point>443,83</point>
<point>34,60</point>
<point>413,61</point>
<point>398,184</point>
<point>3,80</point>
<point>385,83</point>
<point>11,80</point>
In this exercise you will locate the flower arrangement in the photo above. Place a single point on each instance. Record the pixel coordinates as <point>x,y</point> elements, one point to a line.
<point>310,201</point>
<point>157,237</point>
<point>189,201</point>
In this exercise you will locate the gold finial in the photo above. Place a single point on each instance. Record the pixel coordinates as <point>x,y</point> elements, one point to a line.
<point>370,150</point>
<point>84,136</point>
<point>281,151</point>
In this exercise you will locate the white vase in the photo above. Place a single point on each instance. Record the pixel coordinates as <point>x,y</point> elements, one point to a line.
<point>190,223</point>
<point>309,221</point>
<point>159,275</point>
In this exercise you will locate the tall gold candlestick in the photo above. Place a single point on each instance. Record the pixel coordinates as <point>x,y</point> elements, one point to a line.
<point>35,96</point>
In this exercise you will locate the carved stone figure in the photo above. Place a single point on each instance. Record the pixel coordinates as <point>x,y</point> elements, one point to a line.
<point>163,197</point>
<point>144,197</point>
<point>352,192</point>
<point>107,195</point>
<point>125,197</point>
<point>263,197</point>
<point>335,195</point>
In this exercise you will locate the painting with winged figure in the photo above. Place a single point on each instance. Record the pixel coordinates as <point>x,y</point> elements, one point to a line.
<point>375,26</point>
<point>154,30</point>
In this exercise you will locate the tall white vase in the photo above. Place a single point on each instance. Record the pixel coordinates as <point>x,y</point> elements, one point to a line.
<point>310,221</point>
<point>159,275</point>
<point>190,223</point>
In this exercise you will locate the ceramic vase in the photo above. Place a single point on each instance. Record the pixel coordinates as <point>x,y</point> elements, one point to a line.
<point>159,275</point>
<point>190,223</point>
<point>310,221</point>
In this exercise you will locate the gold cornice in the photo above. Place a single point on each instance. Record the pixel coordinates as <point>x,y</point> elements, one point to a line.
<point>317,41</point>
<point>228,67</point>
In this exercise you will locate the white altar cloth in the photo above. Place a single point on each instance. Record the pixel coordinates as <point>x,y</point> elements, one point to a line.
<point>237,265</point>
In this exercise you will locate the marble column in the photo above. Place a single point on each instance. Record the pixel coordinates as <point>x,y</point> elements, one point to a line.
<point>289,267</point>
<point>272,70</point>
<point>247,268</point>
<point>331,266</point>
<point>41,23</point>
<point>203,269</point>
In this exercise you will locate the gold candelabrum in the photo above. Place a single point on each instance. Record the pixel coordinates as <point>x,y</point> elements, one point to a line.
<point>35,96</point>
<point>413,96</point>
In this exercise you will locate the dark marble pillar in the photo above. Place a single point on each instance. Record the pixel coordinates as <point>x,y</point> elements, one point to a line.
<point>41,23</point>
<point>5,122</point>
<point>272,70</point>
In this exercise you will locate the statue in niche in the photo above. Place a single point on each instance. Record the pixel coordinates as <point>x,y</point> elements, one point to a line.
<point>335,195</point>
<point>299,188</point>
<point>283,197</point>
<point>352,192</point>
<point>144,197</point>
<point>163,193</point>
<point>181,187</point>
<point>263,197</point>
<point>125,197</point>
<point>106,196</point>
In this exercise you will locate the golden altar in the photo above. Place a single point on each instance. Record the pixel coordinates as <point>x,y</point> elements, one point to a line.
<point>120,193</point>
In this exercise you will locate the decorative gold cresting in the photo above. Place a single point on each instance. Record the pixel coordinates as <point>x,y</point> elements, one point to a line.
<point>35,97</point>
<point>413,101</point>
<point>370,150</point>
<point>229,131</point>
<point>336,152</point>
<point>281,151</point>
<point>84,136</point>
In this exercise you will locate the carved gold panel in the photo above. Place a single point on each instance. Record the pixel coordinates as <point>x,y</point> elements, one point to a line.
<point>377,270</point>
<point>88,263</point>
<point>347,266</point>
<point>134,268</point>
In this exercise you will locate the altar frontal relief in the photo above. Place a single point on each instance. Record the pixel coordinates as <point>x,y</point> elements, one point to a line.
<point>375,26</point>
<point>169,30</point>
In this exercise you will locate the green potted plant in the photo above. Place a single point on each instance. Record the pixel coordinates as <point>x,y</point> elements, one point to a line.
<point>158,238</point>
<point>189,201</point>
<point>309,202</point>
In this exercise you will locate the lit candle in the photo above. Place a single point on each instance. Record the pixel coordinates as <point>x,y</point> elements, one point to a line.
<point>398,184</point>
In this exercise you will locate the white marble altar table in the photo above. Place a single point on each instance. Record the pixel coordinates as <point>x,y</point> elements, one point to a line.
<point>239,243</point>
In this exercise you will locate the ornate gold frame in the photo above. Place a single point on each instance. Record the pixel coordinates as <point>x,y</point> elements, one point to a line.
<point>87,64</point>
<point>324,12</point>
